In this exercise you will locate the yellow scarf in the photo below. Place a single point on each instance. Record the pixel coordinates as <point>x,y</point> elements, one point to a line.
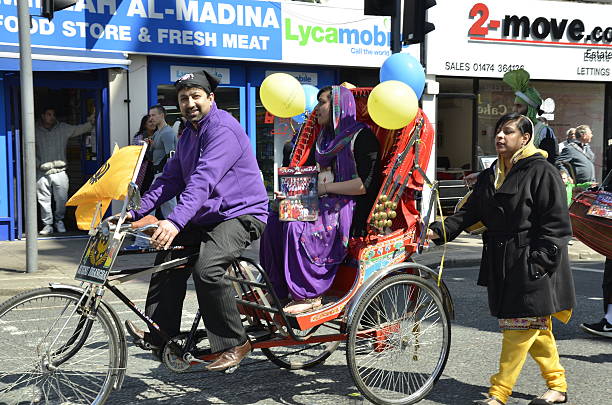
<point>526,151</point>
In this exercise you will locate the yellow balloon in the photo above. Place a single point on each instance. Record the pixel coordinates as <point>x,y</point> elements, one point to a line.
<point>282,95</point>
<point>392,104</point>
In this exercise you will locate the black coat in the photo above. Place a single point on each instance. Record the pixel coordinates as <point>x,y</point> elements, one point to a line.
<point>525,264</point>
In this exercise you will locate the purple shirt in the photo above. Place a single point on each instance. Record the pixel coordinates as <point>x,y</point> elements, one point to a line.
<point>215,172</point>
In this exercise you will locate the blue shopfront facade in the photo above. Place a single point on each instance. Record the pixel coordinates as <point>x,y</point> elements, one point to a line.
<point>239,94</point>
<point>78,56</point>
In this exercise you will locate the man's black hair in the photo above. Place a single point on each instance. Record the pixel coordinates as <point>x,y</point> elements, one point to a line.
<point>160,108</point>
<point>202,79</point>
<point>47,108</point>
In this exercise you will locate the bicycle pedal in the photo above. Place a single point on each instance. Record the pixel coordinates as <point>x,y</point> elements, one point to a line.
<point>144,345</point>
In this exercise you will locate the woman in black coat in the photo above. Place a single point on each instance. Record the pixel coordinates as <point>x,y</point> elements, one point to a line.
<point>525,267</point>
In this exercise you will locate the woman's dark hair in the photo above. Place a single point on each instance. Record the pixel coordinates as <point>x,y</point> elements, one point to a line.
<point>323,90</point>
<point>143,124</point>
<point>523,123</point>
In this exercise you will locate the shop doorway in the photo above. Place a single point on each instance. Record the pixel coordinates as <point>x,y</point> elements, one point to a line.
<point>228,98</point>
<point>73,101</point>
<point>454,145</point>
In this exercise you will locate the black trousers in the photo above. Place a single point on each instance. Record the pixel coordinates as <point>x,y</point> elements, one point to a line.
<point>219,245</point>
<point>607,284</point>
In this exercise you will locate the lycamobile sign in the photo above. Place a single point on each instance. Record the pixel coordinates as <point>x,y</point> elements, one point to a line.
<point>305,34</point>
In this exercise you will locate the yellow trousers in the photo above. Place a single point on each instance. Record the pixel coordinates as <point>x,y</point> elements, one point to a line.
<point>541,345</point>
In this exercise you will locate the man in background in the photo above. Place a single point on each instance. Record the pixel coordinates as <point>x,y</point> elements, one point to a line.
<point>570,136</point>
<point>52,181</point>
<point>578,157</point>
<point>528,102</point>
<point>162,147</point>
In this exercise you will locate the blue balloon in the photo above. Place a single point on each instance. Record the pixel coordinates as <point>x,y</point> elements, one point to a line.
<point>404,68</point>
<point>311,96</point>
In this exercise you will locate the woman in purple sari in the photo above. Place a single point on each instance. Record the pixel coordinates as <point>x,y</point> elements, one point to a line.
<point>302,258</point>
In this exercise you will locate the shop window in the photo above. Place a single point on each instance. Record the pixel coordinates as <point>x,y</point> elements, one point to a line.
<point>576,104</point>
<point>359,77</point>
<point>227,98</point>
<point>454,127</point>
<point>272,133</point>
<point>456,85</point>
<point>453,137</point>
<point>495,99</point>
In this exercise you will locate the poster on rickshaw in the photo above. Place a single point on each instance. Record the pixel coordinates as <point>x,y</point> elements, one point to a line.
<point>602,206</point>
<point>299,185</point>
<point>98,258</point>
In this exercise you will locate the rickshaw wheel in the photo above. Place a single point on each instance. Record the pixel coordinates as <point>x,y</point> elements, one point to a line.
<point>303,356</point>
<point>398,340</point>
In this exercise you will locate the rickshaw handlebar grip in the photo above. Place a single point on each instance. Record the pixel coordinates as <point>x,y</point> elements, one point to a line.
<point>147,229</point>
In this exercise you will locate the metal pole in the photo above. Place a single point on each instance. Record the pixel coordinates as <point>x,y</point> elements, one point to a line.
<point>27,131</point>
<point>396,28</point>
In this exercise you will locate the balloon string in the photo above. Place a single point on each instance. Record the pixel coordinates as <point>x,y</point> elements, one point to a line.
<point>444,232</point>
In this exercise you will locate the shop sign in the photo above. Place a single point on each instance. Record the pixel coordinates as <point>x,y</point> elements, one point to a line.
<point>303,77</point>
<point>226,29</point>
<point>223,74</point>
<point>551,40</point>
<point>335,36</point>
<point>290,32</point>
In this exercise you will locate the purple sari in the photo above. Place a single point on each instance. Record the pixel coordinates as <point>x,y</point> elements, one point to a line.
<point>302,258</point>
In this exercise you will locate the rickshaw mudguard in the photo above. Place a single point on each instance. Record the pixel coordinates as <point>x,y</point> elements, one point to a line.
<point>400,268</point>
<point>123,354</point>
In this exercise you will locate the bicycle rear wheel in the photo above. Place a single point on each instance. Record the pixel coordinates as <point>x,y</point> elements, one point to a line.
<point>52,354</point>
<point>306,355</point>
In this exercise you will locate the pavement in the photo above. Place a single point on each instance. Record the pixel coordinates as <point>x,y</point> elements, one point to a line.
<point>58,259</point>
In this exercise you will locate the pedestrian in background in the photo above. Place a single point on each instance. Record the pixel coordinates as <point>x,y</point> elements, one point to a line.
<point>570,136</point>
<point>525,265</point>
<point>52,181</point>
<point>161,149</point>
<point>145,132</point>
<point>145,135</point>
<point>578,157</point>
<point>604,327</point>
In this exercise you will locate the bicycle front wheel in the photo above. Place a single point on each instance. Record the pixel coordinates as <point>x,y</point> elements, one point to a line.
<point>54,353</point>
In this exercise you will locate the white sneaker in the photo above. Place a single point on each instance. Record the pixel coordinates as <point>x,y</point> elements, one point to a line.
<point>59,225</point>
<point>47,230</point>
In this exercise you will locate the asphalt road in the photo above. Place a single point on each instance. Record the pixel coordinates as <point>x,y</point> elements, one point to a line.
<point>473,358</point>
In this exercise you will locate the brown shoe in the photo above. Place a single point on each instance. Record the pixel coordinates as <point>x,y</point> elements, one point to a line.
<point>139,337</point>
<point>230,358</point>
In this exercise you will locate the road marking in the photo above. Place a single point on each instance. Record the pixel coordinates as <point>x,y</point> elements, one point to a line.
<point>595,298</point>
<point>32,277</point>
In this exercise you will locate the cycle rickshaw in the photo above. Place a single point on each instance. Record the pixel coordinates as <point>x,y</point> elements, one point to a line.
<point>66,344</point>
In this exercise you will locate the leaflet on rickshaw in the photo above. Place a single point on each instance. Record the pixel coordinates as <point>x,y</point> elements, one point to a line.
<point>299,185</point>
<point>98,258</point>
<point>602,206</point>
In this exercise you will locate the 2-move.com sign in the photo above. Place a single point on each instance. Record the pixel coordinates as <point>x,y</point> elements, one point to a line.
<point>539,30</point>
<point>552,40</point>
